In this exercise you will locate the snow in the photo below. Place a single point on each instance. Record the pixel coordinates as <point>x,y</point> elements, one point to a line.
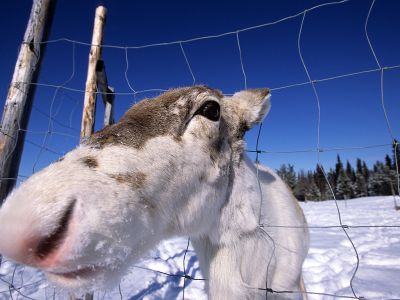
<point>328,268</point>
<point>331,259</point>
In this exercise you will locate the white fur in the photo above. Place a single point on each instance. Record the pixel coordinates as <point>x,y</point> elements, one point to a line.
<point>216,203</point>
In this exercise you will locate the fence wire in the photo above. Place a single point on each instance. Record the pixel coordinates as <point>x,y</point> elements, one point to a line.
<point>16,290</point>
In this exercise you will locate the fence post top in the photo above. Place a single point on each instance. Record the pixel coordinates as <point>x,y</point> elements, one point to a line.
<point>101,10</point>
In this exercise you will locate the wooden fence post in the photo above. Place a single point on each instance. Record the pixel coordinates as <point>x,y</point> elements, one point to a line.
<point>20,95</point>
<point>109,107</point>
<point>89,105</point>
<point>107,93</point>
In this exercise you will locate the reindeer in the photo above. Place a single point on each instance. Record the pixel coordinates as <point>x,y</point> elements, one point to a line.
<point>172,166</point>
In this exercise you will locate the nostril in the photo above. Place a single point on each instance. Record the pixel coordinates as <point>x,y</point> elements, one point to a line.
<point>54,239</point>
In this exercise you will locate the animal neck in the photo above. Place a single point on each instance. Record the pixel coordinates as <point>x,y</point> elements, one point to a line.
<point>236,232</point>
<point>240,214</point>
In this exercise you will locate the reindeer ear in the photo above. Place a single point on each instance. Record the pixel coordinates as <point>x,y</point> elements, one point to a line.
<point>251,106</point>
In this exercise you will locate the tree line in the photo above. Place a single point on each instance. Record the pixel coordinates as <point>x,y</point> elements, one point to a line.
<point>345,180</point>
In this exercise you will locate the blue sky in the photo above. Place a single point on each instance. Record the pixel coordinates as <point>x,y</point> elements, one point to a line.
<point>333,42</point>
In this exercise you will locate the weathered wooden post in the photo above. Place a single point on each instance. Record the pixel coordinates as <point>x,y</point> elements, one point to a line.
<point>89,105</point>
<point>20,95</point>
<point>109,107</point>
<point>107,93</point>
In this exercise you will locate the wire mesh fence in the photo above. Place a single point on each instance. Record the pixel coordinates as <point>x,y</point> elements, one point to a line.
<point>61,129</point>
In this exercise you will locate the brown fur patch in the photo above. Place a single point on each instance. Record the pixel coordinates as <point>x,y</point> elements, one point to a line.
<point>90,162</point>
<point>151,118</point>
<point>136,180</point>
<point>241,130</point>
<point>218,145</point>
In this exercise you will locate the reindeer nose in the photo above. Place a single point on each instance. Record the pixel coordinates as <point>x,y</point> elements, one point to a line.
<point>54,239</point>
<point>26,243</point>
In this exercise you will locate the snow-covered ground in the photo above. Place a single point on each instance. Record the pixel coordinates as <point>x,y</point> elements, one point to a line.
<point>328,268</point>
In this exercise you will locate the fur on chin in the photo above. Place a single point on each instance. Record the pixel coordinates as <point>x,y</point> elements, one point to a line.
<point>88,280</point>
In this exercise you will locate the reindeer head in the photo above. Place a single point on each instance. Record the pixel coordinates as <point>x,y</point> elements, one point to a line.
<point>165,169</point>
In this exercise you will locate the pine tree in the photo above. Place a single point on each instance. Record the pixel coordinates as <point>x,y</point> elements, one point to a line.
<point>380,181</point>
<point>350,172</point>
<point>338,168</point>
<point>326,194</point>
<point>390,172</point>
<point>312,192</point>
<point>388,162</point>
<point>282,171</point>
<point>365,170</point>
<point>300,190</point>
<point>390,175</point>
<point>320,181</point>
<point>366,174</point>
<point>352,177</point>
<point>396,165</point>
<point>359,166</point>
<point>345,182</point>
<point>344,189</point>
<point>291,177</point>
<point>331,178</point>
<point>287,173</point>
<point>360,186</point>
<point>396,154</point>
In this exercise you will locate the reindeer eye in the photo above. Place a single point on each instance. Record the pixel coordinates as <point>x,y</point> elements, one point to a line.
<point>210,110</point>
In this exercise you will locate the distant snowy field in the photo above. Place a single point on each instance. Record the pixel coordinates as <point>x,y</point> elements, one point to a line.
<point>328,268</point>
